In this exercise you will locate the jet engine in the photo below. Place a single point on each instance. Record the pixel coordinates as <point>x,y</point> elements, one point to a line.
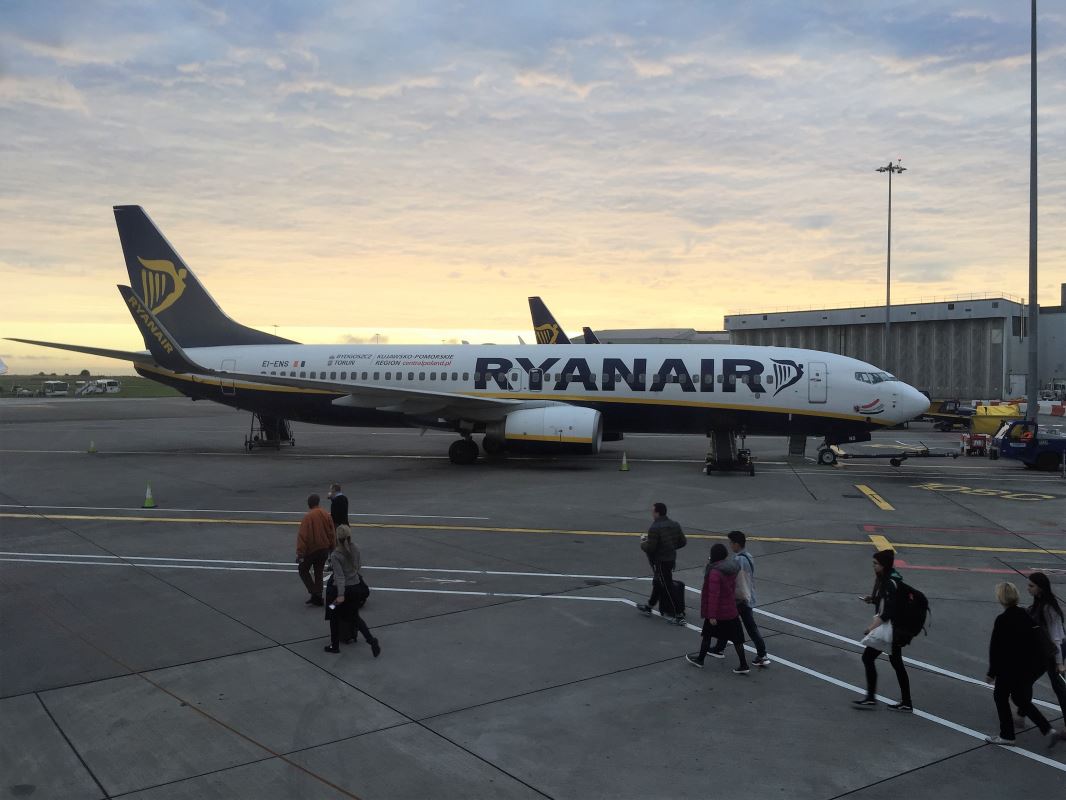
<point>560,428</point>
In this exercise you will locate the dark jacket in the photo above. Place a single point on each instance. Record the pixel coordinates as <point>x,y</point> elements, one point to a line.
<point>1014,650</point>
<point>664,539</point>
<point>885,597</point>
<point>338,509</point>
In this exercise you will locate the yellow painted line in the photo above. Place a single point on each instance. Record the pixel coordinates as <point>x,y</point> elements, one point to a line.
<point>880,542</point>
<point>485,529</point>
<point>875,498</point>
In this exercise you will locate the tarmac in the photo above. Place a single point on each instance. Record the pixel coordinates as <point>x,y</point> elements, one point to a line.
<point>167,652</point>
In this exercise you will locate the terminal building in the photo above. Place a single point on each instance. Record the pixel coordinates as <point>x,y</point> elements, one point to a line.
<point>967,347</point>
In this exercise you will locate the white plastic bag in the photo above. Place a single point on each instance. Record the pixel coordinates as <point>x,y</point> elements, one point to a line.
<point>880,638</point>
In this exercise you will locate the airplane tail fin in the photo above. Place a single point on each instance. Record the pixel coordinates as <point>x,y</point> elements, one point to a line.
<point>545,327</point>
<point>161,344</point>
<point>171,291</point>
<point>590,337</point>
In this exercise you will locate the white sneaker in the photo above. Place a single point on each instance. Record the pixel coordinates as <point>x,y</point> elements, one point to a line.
<point>1053,737</point>
<point>713,654</point>
<point>764,661</point>
<point>1000,740</point>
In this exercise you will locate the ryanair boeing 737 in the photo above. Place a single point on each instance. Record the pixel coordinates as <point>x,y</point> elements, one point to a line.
<point>555,397</point>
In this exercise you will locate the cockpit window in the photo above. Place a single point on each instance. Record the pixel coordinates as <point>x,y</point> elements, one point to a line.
<point>874,377</point>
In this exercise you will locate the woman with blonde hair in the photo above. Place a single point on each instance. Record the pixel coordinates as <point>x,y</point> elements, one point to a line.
<point>1015,661</point>
<point>345,592</point>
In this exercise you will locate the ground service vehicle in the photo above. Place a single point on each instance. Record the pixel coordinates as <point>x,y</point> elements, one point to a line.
<point>1036,446</point>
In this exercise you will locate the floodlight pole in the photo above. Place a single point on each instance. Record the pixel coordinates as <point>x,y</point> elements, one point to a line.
<point>890,168</point>
<point>1034,309</point>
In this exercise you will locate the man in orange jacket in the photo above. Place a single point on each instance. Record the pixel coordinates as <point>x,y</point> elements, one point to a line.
<point>313,543</point>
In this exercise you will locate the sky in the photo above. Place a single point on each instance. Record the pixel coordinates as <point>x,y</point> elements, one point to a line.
<point>416,170</point>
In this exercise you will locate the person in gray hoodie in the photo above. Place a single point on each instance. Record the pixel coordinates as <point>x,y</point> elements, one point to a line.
<point>745,600</point>
<point>345,591</point>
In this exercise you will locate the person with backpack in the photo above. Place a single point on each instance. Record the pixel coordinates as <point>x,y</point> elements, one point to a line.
<point>1046,613</point>
<point>718,607</point>
<point>660,544</point>
<point>1015,661</point>
<point>745,601</point>
<point>890,635</point>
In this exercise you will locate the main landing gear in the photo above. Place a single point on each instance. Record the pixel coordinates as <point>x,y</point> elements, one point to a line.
<point>723,455</point>
<point>463,451</point>
<point>268,431</point>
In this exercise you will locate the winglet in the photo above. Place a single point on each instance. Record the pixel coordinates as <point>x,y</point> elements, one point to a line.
<point>164,349</point>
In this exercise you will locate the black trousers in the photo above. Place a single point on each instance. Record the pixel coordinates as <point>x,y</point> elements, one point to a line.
<point>895,658</point>
<point>345,619</point>
<point>725,630</point>
<point>1021,692</point>
<point>317,562</point>
<point>662,578</point>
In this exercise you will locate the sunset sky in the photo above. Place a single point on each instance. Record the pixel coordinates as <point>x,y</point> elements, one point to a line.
<point>417,169</point>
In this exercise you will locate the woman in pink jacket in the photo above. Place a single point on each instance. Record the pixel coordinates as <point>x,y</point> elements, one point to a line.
<point>718,607</point>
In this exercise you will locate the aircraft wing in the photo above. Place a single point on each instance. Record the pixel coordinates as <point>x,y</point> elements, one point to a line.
<point>449,405</point>
<point>136,356</point>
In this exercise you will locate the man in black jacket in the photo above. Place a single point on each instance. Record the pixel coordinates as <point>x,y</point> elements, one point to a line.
<point>661,543</point>
<point>338,505</point>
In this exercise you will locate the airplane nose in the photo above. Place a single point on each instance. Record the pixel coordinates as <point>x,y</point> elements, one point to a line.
<point>912,402</point>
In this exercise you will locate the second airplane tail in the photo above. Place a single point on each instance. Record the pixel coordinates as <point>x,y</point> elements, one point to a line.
<point>544,325</point>
<point>172,292</point>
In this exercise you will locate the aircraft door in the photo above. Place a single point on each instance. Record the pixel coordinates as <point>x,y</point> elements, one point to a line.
<point>229,385</point>
<point>516,379</point>
<point>817,382</point>
<point>536,380</point>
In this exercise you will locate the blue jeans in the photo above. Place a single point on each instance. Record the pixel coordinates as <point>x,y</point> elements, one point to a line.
<point>747,616</point>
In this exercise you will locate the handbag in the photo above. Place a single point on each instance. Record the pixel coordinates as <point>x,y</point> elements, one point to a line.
<point>361,591</point>
<point>331,591</point>
<point>880,638</point>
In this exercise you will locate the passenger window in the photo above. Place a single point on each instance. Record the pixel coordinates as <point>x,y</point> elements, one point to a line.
<point>399,376</point>
<point>333,376</point>
<point>344,376</point>
<point>477,376</point>
<point>377,375</point>
<point>364,376</point>
<point>708,379</point>
<point>272,372</point>
<point>455,376</point>
<point>769,380</point>
<point>421,376</point>
<point>433,376</point>
<point>721,378</point>
<point>388,376</point>
<point>303,374</point>
<point>292,374</point>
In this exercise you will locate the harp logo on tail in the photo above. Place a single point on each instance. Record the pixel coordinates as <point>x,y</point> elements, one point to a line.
<point>547,333</point>
<point>161,283</point>
<point>786,373</point>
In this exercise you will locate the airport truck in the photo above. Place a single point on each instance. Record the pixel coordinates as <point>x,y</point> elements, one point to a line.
<point>1036,446</point>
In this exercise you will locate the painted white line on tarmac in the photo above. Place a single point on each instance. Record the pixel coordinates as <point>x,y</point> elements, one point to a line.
<point>626,601</point>
<point>230,511</point>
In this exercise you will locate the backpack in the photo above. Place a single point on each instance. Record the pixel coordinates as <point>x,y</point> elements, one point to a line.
<point>912,610</point>
<point>743,590</point>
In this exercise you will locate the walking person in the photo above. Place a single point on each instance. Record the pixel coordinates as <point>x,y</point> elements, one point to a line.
<point>718,607</point>
<point>1015,661</point>
<point>314,540</point>
<point>745,600</point>
<point>346,592</point>
<point>892,638</point>
<point>338,505</point>
<point>660,544</point>
<point>1046,613</point>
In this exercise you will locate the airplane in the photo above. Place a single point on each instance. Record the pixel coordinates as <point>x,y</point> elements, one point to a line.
<point>555,398</point>
<point>548,331</point>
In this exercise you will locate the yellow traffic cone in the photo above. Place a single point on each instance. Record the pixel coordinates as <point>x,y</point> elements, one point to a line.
<point>92,446</point>
<point>625,463</point>
<point>149,501</point>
